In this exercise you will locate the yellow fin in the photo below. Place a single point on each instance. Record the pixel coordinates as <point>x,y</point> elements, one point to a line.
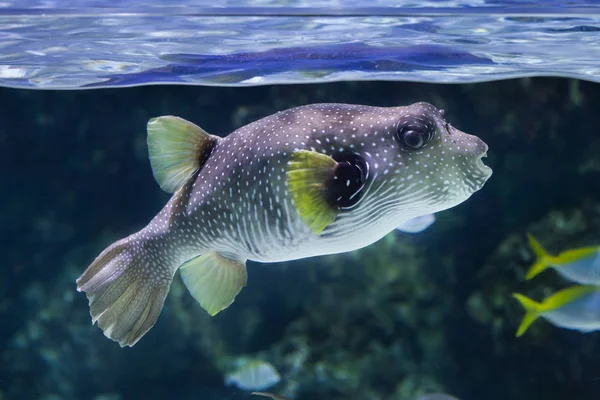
<point>177,149</point>
<point>532,312</point>
<point>214,280</point>
<point>570,256</point>
<point>566,296</point>
<point>307,175</point>
<point>543,259</point>
<point>559,299</point>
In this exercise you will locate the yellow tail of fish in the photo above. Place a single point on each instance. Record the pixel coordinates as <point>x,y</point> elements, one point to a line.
<point>532,312</point>
<point>543,259</point>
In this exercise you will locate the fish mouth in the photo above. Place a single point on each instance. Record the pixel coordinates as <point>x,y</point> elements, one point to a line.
<point>484,169</point>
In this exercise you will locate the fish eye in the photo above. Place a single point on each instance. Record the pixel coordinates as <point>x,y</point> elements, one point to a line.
<point>414,133</point>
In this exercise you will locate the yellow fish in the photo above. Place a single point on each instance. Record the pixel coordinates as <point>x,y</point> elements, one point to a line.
<point>576,307</point>
<point>581,265</point>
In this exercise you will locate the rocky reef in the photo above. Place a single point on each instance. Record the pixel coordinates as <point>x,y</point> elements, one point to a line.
<point>408,315</point>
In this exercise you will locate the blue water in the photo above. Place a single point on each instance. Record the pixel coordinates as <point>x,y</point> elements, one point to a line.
<point>79,44</point>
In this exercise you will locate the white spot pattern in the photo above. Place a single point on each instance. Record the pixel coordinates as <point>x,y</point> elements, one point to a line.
<point>239,204</point>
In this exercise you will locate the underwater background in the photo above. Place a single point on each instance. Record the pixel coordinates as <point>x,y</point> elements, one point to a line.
<point>410,314</point>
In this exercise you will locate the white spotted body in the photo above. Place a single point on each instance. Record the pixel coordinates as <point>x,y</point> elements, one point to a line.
<point>238,205</point>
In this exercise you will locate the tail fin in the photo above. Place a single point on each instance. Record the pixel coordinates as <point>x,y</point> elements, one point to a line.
<point>543,259</point>
<point>532,312</point>
<point>126,286</point>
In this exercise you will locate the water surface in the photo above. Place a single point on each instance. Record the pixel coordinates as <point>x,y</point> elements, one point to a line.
<point>78,44</point>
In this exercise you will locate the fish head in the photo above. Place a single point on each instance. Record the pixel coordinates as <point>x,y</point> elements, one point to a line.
<point>436,166</point>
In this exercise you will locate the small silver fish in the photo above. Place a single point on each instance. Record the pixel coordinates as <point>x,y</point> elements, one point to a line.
<point>270,395</point>
<point>576,307</point>
<point>308,181</point>
<point>255,375</point>
<point>437,396</point>
<point>417,224</point>
<point>580,265</point>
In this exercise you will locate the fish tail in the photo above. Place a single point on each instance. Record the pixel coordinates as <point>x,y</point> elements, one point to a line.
<point>532,312</point>
<point>126,286</point>
<point>543,259</point>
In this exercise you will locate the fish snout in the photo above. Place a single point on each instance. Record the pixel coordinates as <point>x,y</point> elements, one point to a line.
<point>482,149</point>
<point>467,143</point>
<point>472,150</point>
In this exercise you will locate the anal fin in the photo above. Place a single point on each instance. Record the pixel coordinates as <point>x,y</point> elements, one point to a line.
<point>214,280</point>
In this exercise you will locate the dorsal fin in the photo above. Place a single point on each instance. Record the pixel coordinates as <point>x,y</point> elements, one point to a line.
<point>177,149</point>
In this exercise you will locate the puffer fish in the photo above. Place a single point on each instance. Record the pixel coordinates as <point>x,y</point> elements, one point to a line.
<point>254,375</point>
<point>576,307</point>
<point>308,181</point>
<point>581,265</point>
<point>417,224</point>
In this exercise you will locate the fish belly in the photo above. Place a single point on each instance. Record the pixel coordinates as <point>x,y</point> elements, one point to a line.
<point>567,320</point>
<point>585,271</point>
<point>344,239</point>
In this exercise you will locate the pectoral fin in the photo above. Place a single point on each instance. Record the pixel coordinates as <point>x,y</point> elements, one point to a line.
<point>307,176</point>
<point>320,186</point>
<point>214,280</point>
